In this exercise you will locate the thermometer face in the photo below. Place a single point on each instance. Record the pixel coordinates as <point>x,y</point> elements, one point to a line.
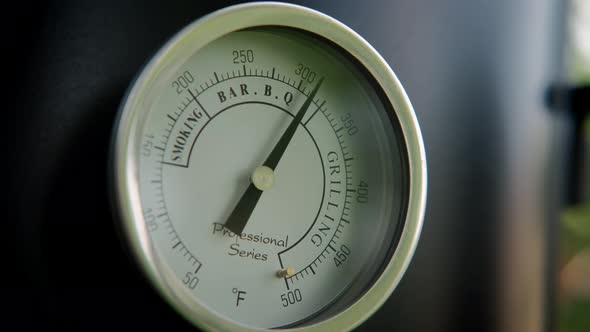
<point>265,175</point>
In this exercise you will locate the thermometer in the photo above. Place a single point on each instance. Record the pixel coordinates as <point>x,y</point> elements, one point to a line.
<point>269,172</point>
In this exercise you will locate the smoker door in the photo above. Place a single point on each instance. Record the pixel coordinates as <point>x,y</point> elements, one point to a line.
<point>476,72</point>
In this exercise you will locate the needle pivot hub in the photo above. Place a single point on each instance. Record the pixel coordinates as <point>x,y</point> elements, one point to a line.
<point>263,178</point>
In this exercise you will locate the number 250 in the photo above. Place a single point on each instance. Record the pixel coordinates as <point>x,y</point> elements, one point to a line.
<point>243,56</point>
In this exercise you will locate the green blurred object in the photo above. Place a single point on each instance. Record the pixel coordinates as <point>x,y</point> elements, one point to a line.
<point>574,309</point>
<point>574,306</point>
<point>575,316</point>
<point>578,220</point>
<point>575,233</point>
<point>579,47</point>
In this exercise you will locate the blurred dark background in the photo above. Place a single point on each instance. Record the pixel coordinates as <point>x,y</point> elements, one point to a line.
<point>477,73</point>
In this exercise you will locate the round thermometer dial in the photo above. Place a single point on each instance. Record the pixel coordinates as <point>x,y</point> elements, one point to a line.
<point>269,172</point>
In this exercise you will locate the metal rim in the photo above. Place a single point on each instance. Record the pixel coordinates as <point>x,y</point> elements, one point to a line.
<point>194,37</point>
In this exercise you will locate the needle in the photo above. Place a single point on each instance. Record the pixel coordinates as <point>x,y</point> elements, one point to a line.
<point>241,213</point>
